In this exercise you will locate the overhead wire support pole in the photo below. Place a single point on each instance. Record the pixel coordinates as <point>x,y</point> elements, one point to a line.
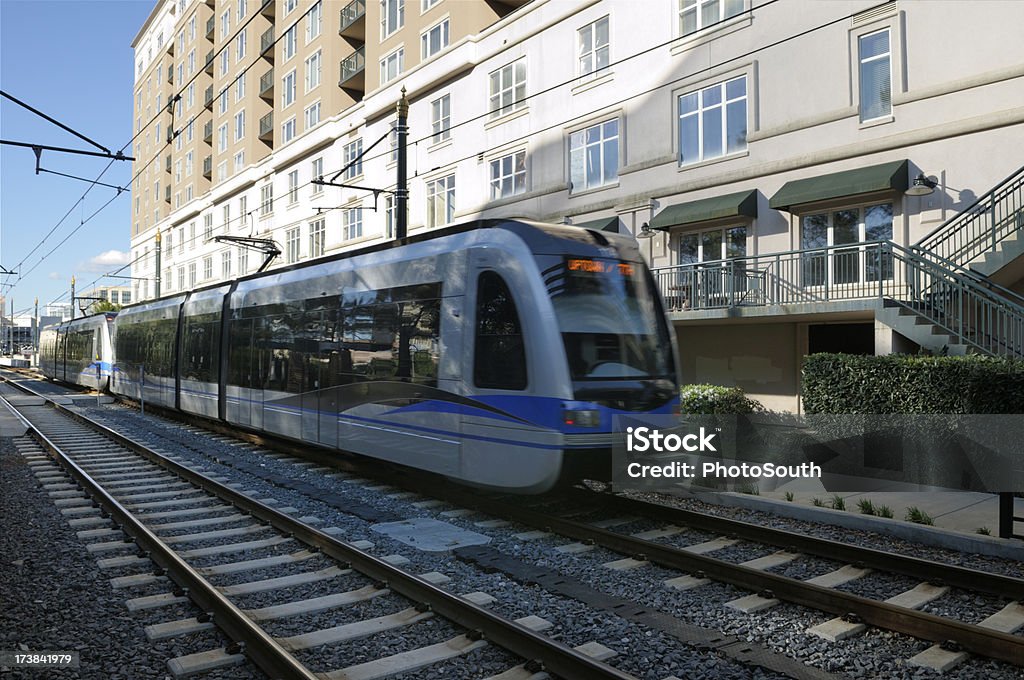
<point>118,156</point>
<point>54,121</point>
<point>402,188</point>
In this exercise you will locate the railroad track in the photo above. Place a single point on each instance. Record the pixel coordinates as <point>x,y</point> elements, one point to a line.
<point>647,552</point>
<point>185,529</point>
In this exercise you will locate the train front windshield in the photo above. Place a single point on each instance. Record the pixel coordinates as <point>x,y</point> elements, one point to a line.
<point>615,335</point>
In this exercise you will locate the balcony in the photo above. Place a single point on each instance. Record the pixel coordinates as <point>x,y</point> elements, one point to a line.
<point>208,66</point>
<point>208,132</point>
<point>167,163</point>
<point>210,24</point>
<point>167,193</point>
<point>170,75</point>
<point>267,44</point>
<point>353,20</point>
<point>267,9</point>
<point>267,128</point>
<point>267,86</point>
<point>208,98</point>
<point>208,167</point>
<point>170,48</point>
<point>353,71</point>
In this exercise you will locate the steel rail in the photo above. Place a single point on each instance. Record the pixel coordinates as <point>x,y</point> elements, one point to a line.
<point>926,570</point>
<point>555,657</point>
<point>982,641</point>
<point>264,651</point>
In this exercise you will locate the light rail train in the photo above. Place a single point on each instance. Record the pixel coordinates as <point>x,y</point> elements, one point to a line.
<point>495,353</point>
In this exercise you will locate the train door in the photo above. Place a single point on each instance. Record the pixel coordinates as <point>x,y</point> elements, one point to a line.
<point>243,368</point>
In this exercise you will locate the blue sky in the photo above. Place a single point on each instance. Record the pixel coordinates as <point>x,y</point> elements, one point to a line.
<point>73,61</point>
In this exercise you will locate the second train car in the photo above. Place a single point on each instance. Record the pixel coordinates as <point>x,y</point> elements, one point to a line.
<point>495,353</point>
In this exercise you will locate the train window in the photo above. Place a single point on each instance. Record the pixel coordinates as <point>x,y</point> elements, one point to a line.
<point>201,347</point>
<point>500,355</point>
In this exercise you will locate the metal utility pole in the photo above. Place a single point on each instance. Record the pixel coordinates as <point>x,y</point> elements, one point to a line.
<point>35,330</point>
<point>72,298</point>
<point>12,327</point>
<point>159,239</point>
<point>402,188</point>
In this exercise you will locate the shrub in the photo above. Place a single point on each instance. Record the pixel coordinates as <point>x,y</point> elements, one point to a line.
<point>984,531</point>
<point>884,511</point>
<point>845,383</point>
<point>838,503</point>
<point>715,400</point>
<point>917,515</point>
<point>789,496</point>
<point>866,506</point>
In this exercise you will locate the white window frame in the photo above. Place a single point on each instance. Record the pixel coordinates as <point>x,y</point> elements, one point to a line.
<point>317,170</point>
<point>352,222</point>
<point>886,101</point>
<point>441,201</point>
<point>578,144</point>
<point>314,21</point>
<point>288,92</point>
<point>588,60</point>
<point>443,33</point>
<point>441,119</point>
<point>289,129</point>
<point>719,112</point>
<point>317,237</point>
<point>240,45</point>
<point>239,161</point>
<point>240,87</point>
<point>267,199</point>
<point>222,138</point>
<point>311,119</point>
<point>349,153</point>
<point>507,88</point>
<point>289,43</point>
<point>848,249</point>
<point>706,13</point>
<point>292,244</point>
<point>240,125</point>
<point>507,171</point>
<point>392,17</point>
<point>225,264</point>
<point>293,187</point>
<point>395,57</point>
<point>314,65</point>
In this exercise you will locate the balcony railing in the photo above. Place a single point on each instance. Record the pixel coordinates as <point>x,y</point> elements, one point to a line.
<point>167,194</point>
<point>170,74</point>
<point>267,43</point>
<point>208,132</point>
<point>352,66</point>
<point>267,85</point>
<point>210,24</point>
<point>267,9</point>
<point>167,163</point>
<point>208,167</point>
<point>267,127</point>
<point>208,97</point>
<point>208,65</point>
<point>352,23</point>
<point>880,270</point>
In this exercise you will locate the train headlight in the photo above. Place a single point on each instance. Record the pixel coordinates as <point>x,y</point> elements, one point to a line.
<point>581,417</point>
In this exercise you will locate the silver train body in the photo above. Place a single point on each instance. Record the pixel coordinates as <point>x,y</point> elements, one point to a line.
<point>79,351</point>
<point>495,353</point>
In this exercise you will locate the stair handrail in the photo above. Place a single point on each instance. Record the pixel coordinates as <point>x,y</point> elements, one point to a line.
<point>948,228</point>
<point>980,279</point>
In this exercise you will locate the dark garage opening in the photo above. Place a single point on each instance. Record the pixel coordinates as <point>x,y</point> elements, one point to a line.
<point>845,338</point>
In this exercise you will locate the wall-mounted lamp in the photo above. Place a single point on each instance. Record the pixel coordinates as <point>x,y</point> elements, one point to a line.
<point>921,186</point>
<point>645,231</point>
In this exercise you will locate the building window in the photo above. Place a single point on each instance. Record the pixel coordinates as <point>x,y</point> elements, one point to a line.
<point>225,264</point>
<point>191,60</point>
<point>352,219</point>
<point>288,130</point>
<point>291,247</point>
<point>225,62</point>
<point>207,268</point>
<point>239,161</point>
<point>593,47</point>
<point>313,71</point>
<point>875,75</point>
<point>427,4</point>
<point>317,168</point>
<point>508,175</point>
<point>441,201</point>
<point>314,19</point>
<point>241,9</point>
<point>240,46</point>
<point>222,102</point>
<point>351,157</point>
<point>289,43</point>
<point>389,216</point>
<point>317,237</point>
<point>434,39</point>
<point>293,187</point>
<point>191,96</point>
<point>392,16</point>
<point>508,88</point>
<point>240,87</point>
<point>288,89</point>
<point>243,205</point>
<point>181,278</point>
<point>391,66</point>
<point>713,121</point>
<point>222,138</point>
<point>697,14</point>
<point>191,274</point>
<point>243,261</point>
<point>712,244</point>
<point>240,125</point>
<point>290,5</point>
<point>312,114</point>
<point>181,241</point>
<point>441,119</point>
<point>188,164</point>
<point>594,156</point>
<point>225,24</point>
<point>266,199</point>
<point>849,226</point>
<point>208,227</point>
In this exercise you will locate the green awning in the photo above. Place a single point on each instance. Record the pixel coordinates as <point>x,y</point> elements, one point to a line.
<point>731,205</point>
<point>604,224</point>
<point>885,177</point>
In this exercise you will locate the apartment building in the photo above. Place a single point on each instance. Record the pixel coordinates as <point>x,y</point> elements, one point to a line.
<point>800,174</point>
<point>115,295</point>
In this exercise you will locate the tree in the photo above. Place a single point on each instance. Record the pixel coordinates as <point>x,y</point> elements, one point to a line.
<point>103,306</point>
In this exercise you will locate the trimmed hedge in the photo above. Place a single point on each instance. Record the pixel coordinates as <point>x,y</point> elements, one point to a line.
<point>896,383</point>
<point>715,400</point>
